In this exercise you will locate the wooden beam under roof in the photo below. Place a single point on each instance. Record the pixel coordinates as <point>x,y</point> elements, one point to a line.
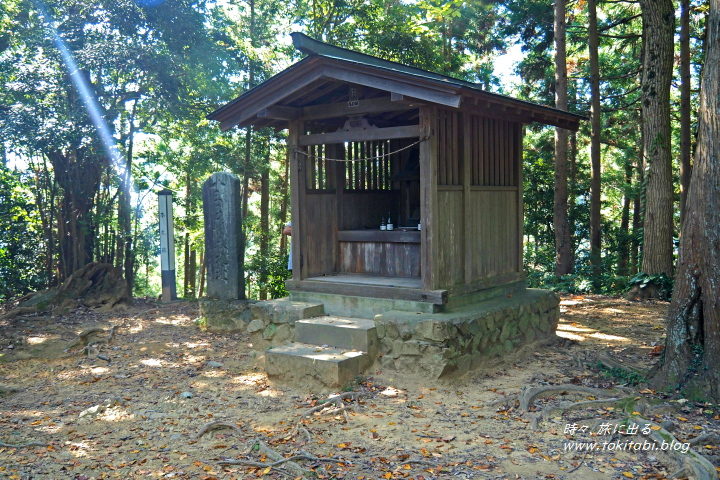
<point>333,110</point>
<point>342,109</point>
<point>408,131</point>
<point>323,87</point>
<point>281,88</point>
<point>405,100</point>
<point>443,96</point>
<point>279,112</point>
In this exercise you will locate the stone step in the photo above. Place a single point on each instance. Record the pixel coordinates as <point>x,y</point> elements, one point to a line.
<point>284,310</point>
<point>310,364</point>
<point>338,332</point>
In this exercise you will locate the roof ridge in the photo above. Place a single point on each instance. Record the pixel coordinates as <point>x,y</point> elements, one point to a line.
<point>310,46</point>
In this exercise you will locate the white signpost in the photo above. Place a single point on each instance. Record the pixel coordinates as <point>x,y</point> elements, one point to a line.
<point>167,245</point>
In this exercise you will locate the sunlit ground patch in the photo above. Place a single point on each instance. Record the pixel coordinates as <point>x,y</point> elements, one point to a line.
<point>179,320</point>
<point>158,362</point>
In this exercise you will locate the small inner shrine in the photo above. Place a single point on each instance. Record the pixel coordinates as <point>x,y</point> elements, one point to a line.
<point>372,142</point>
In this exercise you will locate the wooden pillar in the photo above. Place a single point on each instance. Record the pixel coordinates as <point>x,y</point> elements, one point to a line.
<point>467,154</point>
<point>339,152</point>
<point>519,131</point>
<point>428,197</point>
<point>297,199</point>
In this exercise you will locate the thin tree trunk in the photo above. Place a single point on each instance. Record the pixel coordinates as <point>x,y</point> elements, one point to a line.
<point>186,265</point>
<point>247,169</point>
<point>624,240</point>
<point>201,289</point>
<point>595,220</point>
<point>638,208</point>
<point>125,253</point>
<point>563,244</point>
<point>284,204</point>
<point>658,30</point>
<point>692,345</point>
<point>189,271</point>
<point>685,120</point>
<point>193,273</point>
<point>265,220</point>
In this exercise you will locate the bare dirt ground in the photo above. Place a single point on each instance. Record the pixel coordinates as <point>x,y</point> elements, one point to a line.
<point>137,407</point>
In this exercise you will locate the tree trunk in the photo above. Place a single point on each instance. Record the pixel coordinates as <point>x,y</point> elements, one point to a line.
<point>563,243</point>
<point>638,209</point>
<point>247,169</point>
<point>595,220</point>
<point>658,30</point>
<point>284,204</point>
<point>692,345</point>
<point>126,256</point>
<point>78,174</point>
<point>685,120</point>
<point>624,240</point>
<point>187,267</point>
<point>201,287</point>
<point>265,221</point>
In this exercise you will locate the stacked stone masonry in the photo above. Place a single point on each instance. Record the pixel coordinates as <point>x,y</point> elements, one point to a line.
<point>428,344</point>
<point>463,339</point>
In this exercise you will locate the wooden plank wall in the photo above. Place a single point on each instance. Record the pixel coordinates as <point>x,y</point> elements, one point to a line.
<point>494,151</point>
<point>451,233</point>
<point>320,221</point>
<point>494,233</point>
<point>449,149</point>
<point>477,228</point>
<point>390,259</point>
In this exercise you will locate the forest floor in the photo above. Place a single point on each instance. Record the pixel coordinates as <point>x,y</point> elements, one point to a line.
<point>137,407</point>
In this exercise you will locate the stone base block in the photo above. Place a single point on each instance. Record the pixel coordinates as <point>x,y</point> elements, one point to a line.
<point>360,307</point>
<point>226,316</point>
<point>338,332</point>
<point>312,365</point>
<point>284,310</point>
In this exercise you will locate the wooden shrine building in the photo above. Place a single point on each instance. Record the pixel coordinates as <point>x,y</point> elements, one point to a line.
<point>370,138</point>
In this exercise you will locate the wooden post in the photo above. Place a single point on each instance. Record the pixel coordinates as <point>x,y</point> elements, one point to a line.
<point>428,196</point>
<point>338,151</point>
<point>297,197</point>
<point>466,127</point>
<point>520,204</point>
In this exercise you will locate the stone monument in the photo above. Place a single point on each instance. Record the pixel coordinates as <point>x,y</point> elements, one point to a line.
<point>224,241</point>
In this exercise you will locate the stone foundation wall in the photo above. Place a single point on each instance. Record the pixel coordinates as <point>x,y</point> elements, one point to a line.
<point>269,323</point>
<point>463,339</point>
<point>428,344</point>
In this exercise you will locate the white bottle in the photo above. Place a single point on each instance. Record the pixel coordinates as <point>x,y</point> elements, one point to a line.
<point>382,224</point>
<point>390,225</point>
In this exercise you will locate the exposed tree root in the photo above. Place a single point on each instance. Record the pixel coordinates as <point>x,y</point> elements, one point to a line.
<point>85,338</point>
<point>700,467</point>
<point>693,462</point>
<point>23,445</point>
<point>337,400</point>
<point>279,463</point>
<point>216,425</point>
<point>527,397</point>
<point>418,461</point>
<point>6,390</point>
<point>706,439</point>
<point>578,465</point>
<point>610,363</point>
<point>18,311</point>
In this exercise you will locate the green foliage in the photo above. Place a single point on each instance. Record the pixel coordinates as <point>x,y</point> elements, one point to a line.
<point>275,267</point>
<point>626,376</point>
<point>661,282</point>
<point>21,249</point>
